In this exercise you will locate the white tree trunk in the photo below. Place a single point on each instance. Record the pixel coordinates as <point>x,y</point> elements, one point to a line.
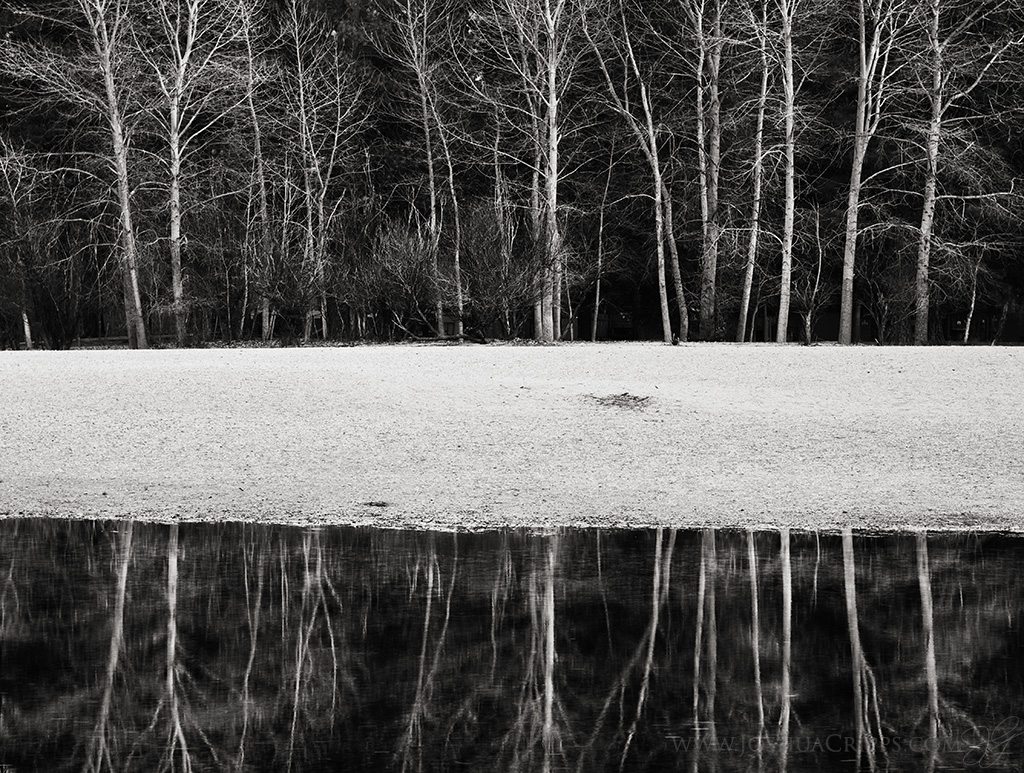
<point>875,48</point>
<point>26,329</point>
<point>922,284</point>
<point>708,136</point>
<point>755,204</point>
<point>103,46</point>
<point>789,111</point>
<point>850,243</point>
<point>974,299</point>
<point>177,287</point>
<point>677,278</point>
<point>265,240</point>
<point>433,221</point>
<point>600,246</point>
<point>552,10</point>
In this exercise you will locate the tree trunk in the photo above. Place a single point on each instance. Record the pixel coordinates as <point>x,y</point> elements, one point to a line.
<point>974,298</point>
<point>266,256</point>
<point>646,135</point>
<point>103,47</point>
<point>600,248</point>
<point>850,244</point>
<point>537,228</point>
<point>551,175</point>
<point>174,138</point>
<point>677,279</point>
<point>708,129</point>
<point>709,311</point>
<point>1002,323</point>
<point>502,218</point>
<point>789,111</point>
<point>871,93</point>
<point>755,204</point>
<point>133,298</point>
<point>921,284</point>
<point>659,223</point>
<point>456,251</point>
<point>244,311</point>
<point>26,328</point>
<point>432,222</point>
<point>557,297</point>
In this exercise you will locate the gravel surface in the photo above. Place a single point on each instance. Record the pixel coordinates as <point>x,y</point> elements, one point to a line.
<point>611,435</point>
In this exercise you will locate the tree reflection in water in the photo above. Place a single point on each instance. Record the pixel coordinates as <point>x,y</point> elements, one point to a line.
<point>231,647</point>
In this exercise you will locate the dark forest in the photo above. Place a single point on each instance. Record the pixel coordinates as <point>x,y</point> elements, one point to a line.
<point>180,172</point>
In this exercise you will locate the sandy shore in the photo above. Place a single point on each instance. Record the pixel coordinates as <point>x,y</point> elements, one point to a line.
<point>479,436</point>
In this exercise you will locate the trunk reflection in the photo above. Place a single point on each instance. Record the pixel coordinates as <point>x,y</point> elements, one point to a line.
<point>243,648</point>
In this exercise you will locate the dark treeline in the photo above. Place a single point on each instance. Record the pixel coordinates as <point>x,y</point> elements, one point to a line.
<point>232,647</point>
<point>187,171</point>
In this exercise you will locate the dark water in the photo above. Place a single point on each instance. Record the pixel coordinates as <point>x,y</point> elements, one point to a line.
<point>247,648</point>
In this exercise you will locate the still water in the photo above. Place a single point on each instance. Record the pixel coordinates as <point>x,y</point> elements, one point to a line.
<point>229,647</point>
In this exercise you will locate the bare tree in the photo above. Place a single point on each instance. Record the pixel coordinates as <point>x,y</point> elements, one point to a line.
<point>20,179</point>
<point>106,21</point>
<point>95,82</point>
<point>416,26</point>
<point>705,18</point>
<point>760,28</point>
<point>186,52</point>
<point>881,26</point>
<point>530,60</point>
<point>328,114</point>
<point>961,53</point>
<point>808,290</point>
<point>250,18</point>
<point>644,131</point>
<point>600,244</point>
<point>787,12</point>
